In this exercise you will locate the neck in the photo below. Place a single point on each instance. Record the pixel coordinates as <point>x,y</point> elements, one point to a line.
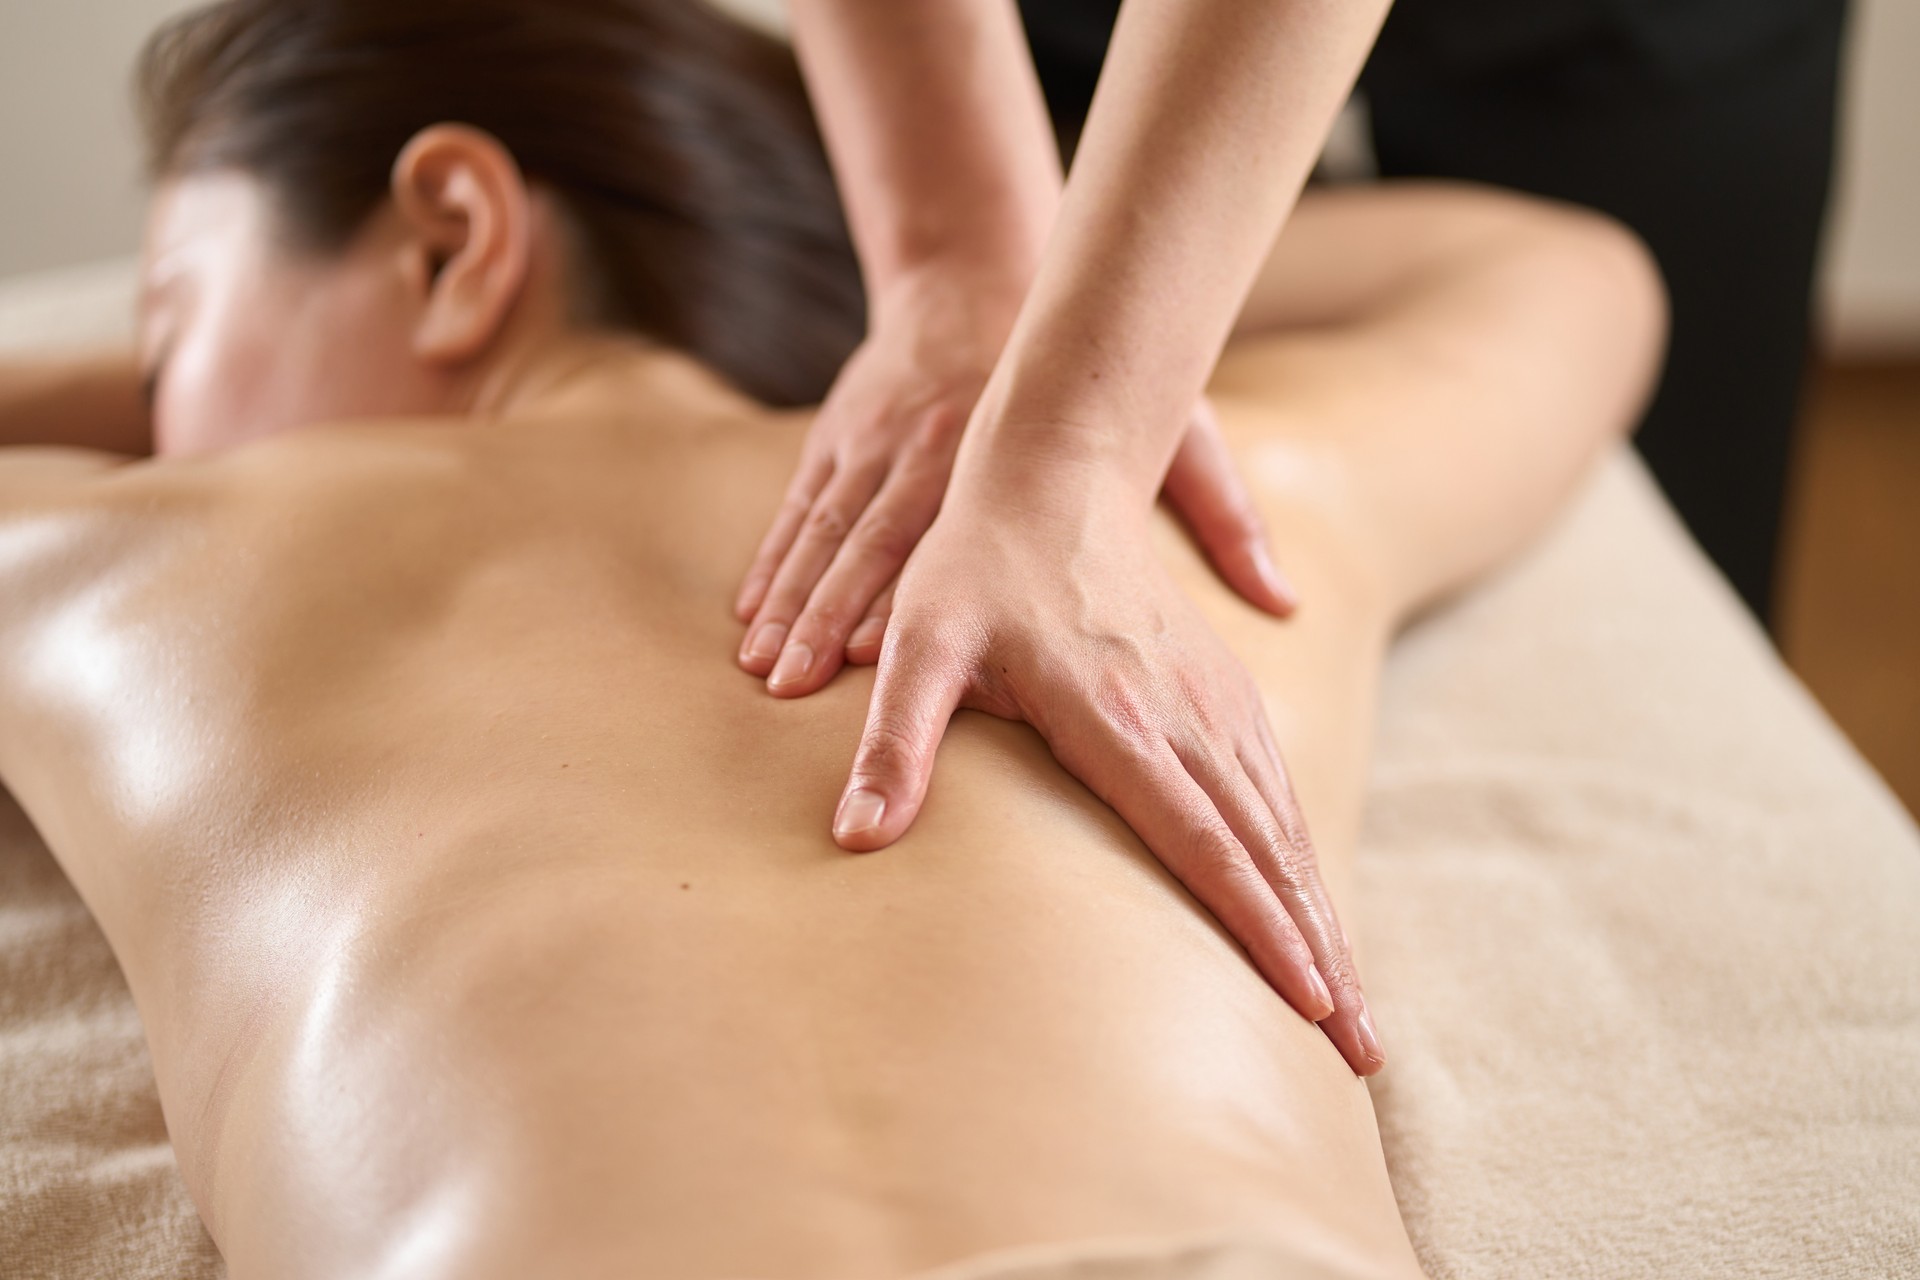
<point>576,373</point>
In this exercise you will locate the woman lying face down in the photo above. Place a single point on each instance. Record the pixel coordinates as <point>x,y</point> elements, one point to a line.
<point>481,914</point>
<point>651,169</point>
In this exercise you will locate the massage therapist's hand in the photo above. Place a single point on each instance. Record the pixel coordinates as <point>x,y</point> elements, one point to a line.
<point>871,476</point>
<point>1029,601</point>
<point>874,469</point>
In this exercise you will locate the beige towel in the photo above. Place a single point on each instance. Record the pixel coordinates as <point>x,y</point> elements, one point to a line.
<point>88,1186</point>
<point>1644,934</point>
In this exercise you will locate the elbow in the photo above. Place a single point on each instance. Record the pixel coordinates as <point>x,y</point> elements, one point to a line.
<point>1606,275</point>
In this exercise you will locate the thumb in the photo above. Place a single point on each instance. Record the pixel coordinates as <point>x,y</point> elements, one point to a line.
<point>1205,490</point>
<point>914,696</point>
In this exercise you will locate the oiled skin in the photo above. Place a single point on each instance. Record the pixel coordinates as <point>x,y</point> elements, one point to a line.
<point>483,914</point>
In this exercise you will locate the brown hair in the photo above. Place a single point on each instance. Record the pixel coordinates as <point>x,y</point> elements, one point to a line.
<point>679,142</point>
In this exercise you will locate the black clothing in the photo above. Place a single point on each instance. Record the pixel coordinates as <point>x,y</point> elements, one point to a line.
<point>1705,125</point>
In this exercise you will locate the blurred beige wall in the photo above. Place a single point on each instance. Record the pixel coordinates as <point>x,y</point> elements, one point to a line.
<point>1871,290</point>
<point>69,190</point>
<point>69,169</point>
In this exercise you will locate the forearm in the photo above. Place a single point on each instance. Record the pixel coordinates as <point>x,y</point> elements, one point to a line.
<point>938,135</point>
<point>92,402</point>
<point>1208,119</point>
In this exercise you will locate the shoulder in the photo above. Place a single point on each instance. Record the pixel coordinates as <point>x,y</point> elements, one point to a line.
<point>29,476</point>
<point>69,516</point>
<point>55,502</point>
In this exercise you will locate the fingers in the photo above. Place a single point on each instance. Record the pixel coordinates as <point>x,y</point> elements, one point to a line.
<point>1157,794</point>
<point>1205,490</point>
<point>914,696</point>
<point>867,561</point>
<point>1289,863</point>
<point>822,529</point>
<point>863,645</point>
<point>1190,832</point>
<point>808,480</point>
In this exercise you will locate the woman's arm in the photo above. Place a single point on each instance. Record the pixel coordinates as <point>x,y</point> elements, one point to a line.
<point>1464,352</point>
<point>92,401</point>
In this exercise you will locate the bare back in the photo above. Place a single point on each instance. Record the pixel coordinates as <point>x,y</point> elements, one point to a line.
<point>406,771</point>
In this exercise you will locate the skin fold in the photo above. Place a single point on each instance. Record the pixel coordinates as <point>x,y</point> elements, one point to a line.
<point>484,919</point>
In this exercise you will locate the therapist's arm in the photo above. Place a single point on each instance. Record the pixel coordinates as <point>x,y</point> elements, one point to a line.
<point>946,164</point>
<point>1208,119</point>
<point>1035,594</point>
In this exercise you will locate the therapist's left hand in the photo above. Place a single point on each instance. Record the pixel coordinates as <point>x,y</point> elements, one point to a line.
<point>874,470</point>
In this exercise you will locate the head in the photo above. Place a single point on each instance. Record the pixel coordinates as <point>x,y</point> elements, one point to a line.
<point>375,207</point>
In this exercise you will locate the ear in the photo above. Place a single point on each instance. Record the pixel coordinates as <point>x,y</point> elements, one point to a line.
<point>468,221</point>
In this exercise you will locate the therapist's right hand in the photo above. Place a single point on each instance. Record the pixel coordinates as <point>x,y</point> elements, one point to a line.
<point>1039,598</point>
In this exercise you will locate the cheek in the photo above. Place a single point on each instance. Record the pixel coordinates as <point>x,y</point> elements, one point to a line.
<point>287,351</point>
<point>349,352</point>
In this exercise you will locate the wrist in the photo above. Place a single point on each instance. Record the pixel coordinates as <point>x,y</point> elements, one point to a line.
<point>1071,391</point>
<point>993,228</point>
<point>980,289</point>
<point>1057,471</point>
<point>1093,444</point>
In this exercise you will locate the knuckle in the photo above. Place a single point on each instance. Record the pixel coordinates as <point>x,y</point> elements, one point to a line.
<point>1338,971</point>
<point>940,427</point>
<point>1239,895</point>
<point>831,617</point>
<point>890,747</point>
<point>1293,869</point>
<point>1200,734</point>
<point>1241,511</point>
<point>888,536</point>
<point>1286,876</point>
<point>1295,849</point>
<point>1214,846</point>
<point>1126,708</point>
<point>828,522</point>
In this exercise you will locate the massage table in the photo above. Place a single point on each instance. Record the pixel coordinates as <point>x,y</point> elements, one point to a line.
<point>1641,929</point>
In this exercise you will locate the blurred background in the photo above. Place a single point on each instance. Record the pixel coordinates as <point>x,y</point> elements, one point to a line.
<point>1848,618</point>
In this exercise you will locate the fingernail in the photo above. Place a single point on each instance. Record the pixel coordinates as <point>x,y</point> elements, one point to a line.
<point>795,661</point>
<point>867,633</point>
<point>1369,1039</point>
<point>764,644</point>
<point>1323,998</point>
<point>860,811</point>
